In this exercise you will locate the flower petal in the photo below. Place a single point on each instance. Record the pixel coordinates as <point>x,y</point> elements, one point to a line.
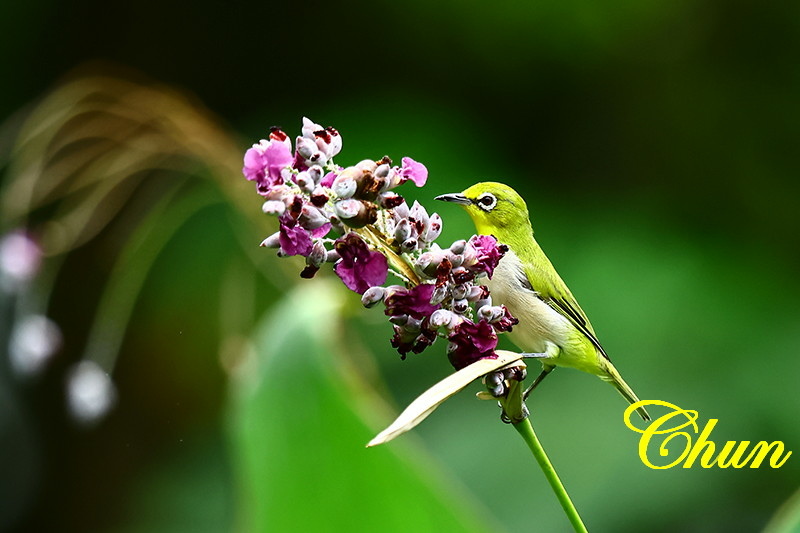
<point>414,171</point>
<point>428,401</point>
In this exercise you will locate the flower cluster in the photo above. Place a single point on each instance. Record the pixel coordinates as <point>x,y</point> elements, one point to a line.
<point>352,217</point>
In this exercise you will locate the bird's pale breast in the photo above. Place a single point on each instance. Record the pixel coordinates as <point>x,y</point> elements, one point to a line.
<point>538,322</point>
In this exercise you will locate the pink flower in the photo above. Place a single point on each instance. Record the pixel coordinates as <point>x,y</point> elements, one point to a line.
<point>488,253</point>
<point>470,342</point>
<point>415,302</point>
<point>294,239</point>
<point>411,170</point>
<point>264,161</point>
<point>358,268</point>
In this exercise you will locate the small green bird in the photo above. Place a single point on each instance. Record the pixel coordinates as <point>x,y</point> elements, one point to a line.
<point>551,322</point>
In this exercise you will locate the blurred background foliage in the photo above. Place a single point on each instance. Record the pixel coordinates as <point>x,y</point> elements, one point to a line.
<point>656,144</point>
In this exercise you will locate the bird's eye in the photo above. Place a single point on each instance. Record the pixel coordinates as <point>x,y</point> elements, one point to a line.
<point>486,201</point>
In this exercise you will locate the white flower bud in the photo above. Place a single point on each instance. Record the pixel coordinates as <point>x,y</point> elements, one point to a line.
<point>312,218</point>
<point>434,228</point>
<point>90,392</point>
<point>306,147</point>
<point>458,247</point>
<point>273,241</point>
<point>402,230</point>
<point>372,296</point>
<point>316,172</point>
<point>460,292</point>
<point>318,254</point>
<point>439,294</point>
<point>367,164</point>
<point>344,188</point>
<point>304,181</point>
<point>309,127</point>
<point>460,306</point>
<point>409,245</point>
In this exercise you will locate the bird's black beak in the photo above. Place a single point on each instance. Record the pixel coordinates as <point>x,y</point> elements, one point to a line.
<point>455,198</point>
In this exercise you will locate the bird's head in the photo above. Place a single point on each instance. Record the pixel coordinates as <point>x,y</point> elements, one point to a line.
<point>493,207</point>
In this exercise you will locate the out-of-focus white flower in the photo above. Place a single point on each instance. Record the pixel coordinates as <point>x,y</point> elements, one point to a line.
<point>90,392</point>
<point>34,340</point>
<point>20,258</point>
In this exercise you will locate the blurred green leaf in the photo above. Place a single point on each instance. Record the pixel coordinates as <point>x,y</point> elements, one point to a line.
<point>787,519</point>
<point>299,431</point>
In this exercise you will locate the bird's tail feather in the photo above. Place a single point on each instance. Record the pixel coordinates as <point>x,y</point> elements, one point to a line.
<point>615,379</point>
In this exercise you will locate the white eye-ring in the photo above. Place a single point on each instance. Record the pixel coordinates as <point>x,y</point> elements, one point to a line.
<point>486,201</point>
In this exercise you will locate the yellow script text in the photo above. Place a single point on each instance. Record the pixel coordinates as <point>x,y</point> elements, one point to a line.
<point>698,446</point>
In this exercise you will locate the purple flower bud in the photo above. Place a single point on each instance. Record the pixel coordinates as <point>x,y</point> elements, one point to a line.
<point>273,241</point>
<point>332,256</point>
<point>403,341</point>
<point>281,193</point>
<point>504,322</point>
<point>327,179</point>
<point>372,296</point>
<point>328,141</point>
<point>273,207</point>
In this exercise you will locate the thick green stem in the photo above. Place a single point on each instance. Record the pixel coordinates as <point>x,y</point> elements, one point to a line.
<point>525,429</point>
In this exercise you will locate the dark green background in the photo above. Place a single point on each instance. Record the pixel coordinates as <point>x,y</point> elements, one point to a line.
<point>656,144</point>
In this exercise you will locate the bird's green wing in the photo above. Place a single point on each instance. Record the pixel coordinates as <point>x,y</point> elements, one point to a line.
<point>551,289</point>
